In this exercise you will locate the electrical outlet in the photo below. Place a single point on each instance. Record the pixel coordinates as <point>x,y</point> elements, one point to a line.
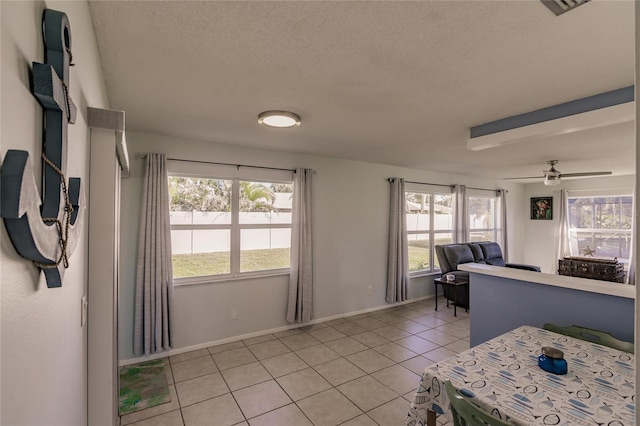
<point>83,310</point>
<point>370,290</point>
<point>233,314</point>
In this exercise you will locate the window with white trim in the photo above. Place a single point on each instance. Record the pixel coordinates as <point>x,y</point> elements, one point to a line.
<point>229,227</point>
<point>483,224</point>
<point>424,229</point>
<point>602,223</point>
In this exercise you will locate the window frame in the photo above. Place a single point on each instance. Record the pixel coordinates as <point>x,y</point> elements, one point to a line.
<point>431,232</point>
<point>495,231</point>
<point>235,227</point>
<point>573,231</point>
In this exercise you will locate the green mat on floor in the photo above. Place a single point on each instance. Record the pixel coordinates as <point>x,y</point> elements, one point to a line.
<point>142,386</point>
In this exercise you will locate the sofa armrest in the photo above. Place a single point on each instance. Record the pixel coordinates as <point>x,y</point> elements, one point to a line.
<point>523,266</point>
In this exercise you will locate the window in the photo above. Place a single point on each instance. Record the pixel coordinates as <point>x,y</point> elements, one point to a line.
<point>229,227</point>
<point>425,230</point>
<point>601,223</point>
<point>482,215</point>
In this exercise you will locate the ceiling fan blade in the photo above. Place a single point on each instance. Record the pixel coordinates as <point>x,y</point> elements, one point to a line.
<point>566,175</point>
<point>525,177</point>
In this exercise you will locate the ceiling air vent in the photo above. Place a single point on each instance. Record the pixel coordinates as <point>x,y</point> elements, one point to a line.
<point>561,6</point>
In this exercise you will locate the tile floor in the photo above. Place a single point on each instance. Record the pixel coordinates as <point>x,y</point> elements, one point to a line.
<point>359,370</point>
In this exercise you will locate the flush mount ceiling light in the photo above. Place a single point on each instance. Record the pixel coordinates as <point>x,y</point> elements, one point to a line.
<point>279,119</point>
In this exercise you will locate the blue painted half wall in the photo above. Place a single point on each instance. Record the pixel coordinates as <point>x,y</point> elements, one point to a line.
<point>501,304</point>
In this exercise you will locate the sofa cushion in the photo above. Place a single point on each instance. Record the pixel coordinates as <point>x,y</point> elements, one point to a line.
<point>458,254</point>
<point>491,251</point>
<point>478,256</point>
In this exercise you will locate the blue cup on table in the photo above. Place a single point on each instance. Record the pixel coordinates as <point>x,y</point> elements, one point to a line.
<point>552,360</point>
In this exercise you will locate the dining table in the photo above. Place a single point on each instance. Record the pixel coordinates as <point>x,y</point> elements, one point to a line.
<point>502,377</point>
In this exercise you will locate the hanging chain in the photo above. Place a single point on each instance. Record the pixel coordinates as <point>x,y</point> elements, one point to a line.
<point>63,235</point>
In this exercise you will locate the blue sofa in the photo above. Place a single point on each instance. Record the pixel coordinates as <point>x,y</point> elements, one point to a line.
<point>452,255</point>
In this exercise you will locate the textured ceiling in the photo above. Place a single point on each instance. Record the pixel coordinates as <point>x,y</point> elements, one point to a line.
<point>389,82</point>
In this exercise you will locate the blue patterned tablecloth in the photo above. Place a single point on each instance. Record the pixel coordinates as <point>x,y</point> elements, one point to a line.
<point>504,377</point>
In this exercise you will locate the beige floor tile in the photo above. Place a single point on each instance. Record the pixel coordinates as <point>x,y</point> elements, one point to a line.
<point>389,413</point>
<point>315,408</point>
<point>391,333</point>
<point>370,361</point>
<point>327,334</point>
<point>172,418</point>
<point>188,355</point>
<point>362,420</point>
<point>358,317</point>
<point>395,352</point>
<point>346,346</point>
<point>201,388</point>
<point>169,371</point>
<point>417,344</point>
<point>287,333</point>
<point>367,393</point>
<point>439,354</point>
<point>153,411</point>
<point>269,349</point>
<point>258,339</point>
<point>233,358</point>
<point>455,330</point>
<point>261,398</point>
<point>397,378</point>
<point>284,364</point>
<point>302,384</point>
<point>349,328</point>
<point>219,411</point>
<point>458,346</point>
<point>339,371</point>
<point>446,314</point>
<point>438,337</point>
<point>388,318</point>
<point>317,354</point>
<point>299,341</point>
<point>193,368</point>
<point>225,347</point>
<point>245,375</point>
<point>369,323</point>
<point>411,326</point>
<point>429,320</point>
<point>417,364</point>
<point>289,415</point>
<point>312,327</point>
<point>370,339</point>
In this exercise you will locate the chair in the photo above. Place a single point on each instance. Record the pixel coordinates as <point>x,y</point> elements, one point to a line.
<point>590,335</point>
<point>466,413</point>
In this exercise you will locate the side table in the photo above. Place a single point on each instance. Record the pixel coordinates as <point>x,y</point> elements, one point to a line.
<point>455,284</point>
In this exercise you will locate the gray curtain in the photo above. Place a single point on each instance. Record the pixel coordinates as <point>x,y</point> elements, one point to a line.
<point>502,193</point>
<point>562,231</point>
<point>460,214</point>
<point>398,256</point>
<point>300,305</point>
<point>153,322</point>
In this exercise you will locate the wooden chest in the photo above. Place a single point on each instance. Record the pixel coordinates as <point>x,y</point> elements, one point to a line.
<point>595,269</point>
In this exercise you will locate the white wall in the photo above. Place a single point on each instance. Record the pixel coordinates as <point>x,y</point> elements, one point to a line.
<point>43,352</point>
<point>350,242</point>
<point>540,241</point>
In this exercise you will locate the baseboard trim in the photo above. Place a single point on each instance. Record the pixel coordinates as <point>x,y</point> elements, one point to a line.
<point>178,351</point>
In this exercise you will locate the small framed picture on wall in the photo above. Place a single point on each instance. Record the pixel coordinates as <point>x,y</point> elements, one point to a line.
<point>541,208</point>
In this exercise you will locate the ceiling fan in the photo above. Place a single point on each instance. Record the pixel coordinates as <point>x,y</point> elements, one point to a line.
<point>552,176</point>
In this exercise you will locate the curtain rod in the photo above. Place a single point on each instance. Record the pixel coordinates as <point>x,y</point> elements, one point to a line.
<point>140,155</point>
<point>441,184</point>
<point>422,183</point>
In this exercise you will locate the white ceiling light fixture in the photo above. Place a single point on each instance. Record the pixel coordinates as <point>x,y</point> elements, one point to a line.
<point>280,119</point>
